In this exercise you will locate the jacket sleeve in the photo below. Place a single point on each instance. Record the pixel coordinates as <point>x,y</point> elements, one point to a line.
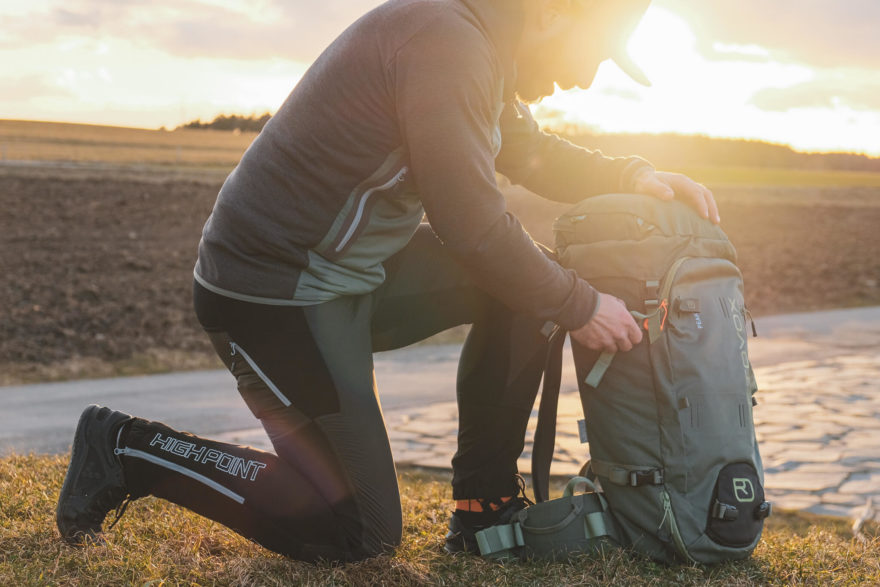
<point>446,88</point>
<point>555,168</point>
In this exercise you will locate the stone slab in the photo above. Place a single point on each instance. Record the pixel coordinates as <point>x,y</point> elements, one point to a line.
<point>817,417</point>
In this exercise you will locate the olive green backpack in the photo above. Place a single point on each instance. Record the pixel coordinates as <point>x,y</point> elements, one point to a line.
<point>669,424</point>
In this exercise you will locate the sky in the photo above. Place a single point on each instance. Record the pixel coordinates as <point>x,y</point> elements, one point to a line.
<point>799,72</point>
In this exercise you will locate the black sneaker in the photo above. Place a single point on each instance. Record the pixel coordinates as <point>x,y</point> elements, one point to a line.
<point>463,525</point>
<point>94,484</point>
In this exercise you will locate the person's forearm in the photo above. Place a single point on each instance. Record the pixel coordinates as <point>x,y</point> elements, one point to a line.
<point>555,168</point>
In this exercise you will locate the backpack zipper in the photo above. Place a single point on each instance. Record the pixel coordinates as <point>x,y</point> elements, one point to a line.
<point>670,276</point>
<point>748,316</point>
<point>668,514</point>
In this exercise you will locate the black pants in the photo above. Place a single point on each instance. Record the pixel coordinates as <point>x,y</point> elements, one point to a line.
<point>330,491</point>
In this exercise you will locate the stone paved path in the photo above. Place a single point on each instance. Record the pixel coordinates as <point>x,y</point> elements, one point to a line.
<point>817,420</point>
<point>818,417</point>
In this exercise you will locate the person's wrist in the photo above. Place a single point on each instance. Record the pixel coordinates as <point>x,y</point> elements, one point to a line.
<point>595,308</point>
<point>635,168</point>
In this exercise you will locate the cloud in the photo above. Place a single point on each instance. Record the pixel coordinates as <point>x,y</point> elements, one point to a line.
<point>296,30</point>
<point>31,87</point>
<point>818,32</point>
<point>735,52</point>
<point>622,93</point>
<point>827,91</point>
<point>825,33</point>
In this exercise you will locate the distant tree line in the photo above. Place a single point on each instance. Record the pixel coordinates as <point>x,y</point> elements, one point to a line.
<point>232,122</point>
<point>673,150</point>
<point>664,150</point>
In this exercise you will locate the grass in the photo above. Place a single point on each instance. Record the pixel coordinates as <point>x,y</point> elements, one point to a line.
<point>754,176</point>
<point>150,362</point>
<point>160,544</point>
<point>210,149</point>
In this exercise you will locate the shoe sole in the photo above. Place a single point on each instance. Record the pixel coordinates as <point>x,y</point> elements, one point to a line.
<point>457,547</point>
<point>456,541</point>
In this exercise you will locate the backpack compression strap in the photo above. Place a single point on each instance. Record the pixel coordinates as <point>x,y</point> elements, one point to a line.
<point>573,523</point>
<point>653,322</point>
<point>545,432</point>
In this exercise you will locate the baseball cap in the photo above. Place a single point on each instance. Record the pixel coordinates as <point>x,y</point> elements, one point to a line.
<point>617,20</point>
<point>630,68</point>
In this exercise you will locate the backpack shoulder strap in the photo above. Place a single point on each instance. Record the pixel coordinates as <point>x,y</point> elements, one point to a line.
<point>545,432</point>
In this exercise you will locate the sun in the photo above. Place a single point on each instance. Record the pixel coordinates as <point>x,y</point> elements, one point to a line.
<point>664,45</point>
<point>691,92</point>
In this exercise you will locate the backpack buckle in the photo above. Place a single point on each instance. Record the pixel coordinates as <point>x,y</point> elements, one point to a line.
<point>763,510</point>
<point>724,511</point>
<point>549,329</point>
<point>640,478</point>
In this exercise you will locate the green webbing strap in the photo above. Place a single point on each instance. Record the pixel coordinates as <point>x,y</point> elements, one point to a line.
<point>594,525</point>
<point>545,431</point>
<point>594,377</point>
<point>628,475</point>
<point>576,481</point>
<point>502,541</point>
<point>496,541</point>
<point>654,323</point>
<point>616,474</point>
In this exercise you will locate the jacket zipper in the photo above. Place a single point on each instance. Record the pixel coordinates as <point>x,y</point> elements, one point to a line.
<point>362,204</point>
<point>171,466</point>
<point>235,349</point>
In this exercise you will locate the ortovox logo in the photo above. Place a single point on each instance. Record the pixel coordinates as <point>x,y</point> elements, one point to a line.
<point>743,489</point>
<point>739,325</point>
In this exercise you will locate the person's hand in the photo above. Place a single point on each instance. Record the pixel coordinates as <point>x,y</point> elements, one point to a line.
<point>611,329</point>
<point>665,185</point>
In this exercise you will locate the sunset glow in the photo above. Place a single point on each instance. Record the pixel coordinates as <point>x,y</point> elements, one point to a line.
<point>720,69</point>
<point>692,94</point>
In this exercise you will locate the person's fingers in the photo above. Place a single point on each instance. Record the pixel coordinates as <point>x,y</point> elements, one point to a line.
<point>659,189</point>
<point>649,182</point>
<point>612,329</point>
<point>695,194</point>
<point>714,215</point>
<point>635,333</point>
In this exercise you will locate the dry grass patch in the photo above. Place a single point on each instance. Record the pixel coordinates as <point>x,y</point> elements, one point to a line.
<point>22,140</point>
<point>773,176</point>
<point>148,362</point>
<point>160,544</point>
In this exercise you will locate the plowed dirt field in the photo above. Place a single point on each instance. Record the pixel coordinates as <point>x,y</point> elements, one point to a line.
<point>96,263</point>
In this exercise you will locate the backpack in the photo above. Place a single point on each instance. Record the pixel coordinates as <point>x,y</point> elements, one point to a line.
<point>669,424</point>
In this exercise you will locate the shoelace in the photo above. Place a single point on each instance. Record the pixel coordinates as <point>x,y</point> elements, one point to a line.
<point>120,510</point>
<point>519,497</point>
<point>110,500</point>
<point>521,490</point>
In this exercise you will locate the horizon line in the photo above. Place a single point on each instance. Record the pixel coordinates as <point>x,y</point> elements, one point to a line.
<point>584,129</point>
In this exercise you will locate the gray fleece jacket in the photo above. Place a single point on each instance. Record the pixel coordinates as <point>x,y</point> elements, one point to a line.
<point>409,113</point>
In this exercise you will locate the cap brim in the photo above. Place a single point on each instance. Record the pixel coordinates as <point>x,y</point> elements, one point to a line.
<point>629,67</point>
<point>622,17</point>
